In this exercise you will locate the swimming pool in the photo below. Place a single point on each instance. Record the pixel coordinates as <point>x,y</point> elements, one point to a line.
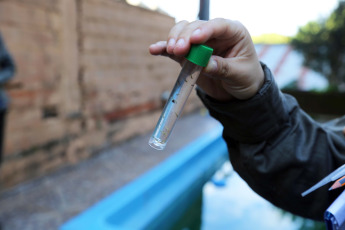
<point>227,202</point>
<point>158,198</point>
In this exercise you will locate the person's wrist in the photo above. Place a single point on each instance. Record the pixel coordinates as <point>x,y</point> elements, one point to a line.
<point>260,79</point>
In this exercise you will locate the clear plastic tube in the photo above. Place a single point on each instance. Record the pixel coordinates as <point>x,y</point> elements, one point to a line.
<point>172,110</point>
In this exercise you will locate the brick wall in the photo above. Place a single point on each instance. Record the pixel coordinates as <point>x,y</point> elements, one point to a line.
<point>85,80</point>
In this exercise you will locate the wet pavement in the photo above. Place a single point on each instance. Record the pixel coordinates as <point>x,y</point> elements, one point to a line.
<point>46,203</point>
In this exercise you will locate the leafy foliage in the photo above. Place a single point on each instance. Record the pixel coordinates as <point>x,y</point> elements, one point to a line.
<point>322,44</point>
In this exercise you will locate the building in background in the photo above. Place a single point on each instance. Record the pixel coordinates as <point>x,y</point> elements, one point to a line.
<point>287,67</point>
<point>85,80</point>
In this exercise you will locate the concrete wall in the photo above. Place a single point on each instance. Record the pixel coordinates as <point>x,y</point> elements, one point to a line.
<point>85,80</point>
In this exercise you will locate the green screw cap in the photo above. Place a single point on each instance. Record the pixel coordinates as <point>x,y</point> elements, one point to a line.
<point>199,54</point>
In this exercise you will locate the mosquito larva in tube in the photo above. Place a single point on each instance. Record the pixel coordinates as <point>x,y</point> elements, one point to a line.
<point>196,59</point>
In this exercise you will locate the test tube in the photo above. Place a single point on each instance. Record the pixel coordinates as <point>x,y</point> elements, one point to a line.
<point>196,59</point>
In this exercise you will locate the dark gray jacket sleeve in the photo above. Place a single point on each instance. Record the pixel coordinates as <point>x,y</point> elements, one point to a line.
<point>279,150</point>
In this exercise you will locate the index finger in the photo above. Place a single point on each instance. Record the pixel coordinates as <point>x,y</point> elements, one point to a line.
<point>182,32</point>
<point>218,28</point>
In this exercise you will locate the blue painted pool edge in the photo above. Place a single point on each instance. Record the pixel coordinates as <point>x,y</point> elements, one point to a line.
<point>155,198</point>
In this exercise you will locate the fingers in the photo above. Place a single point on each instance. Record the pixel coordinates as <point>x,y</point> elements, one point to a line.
<point>183,34</point>
<point>218,28</point>
<point>158,48</point>
<point>173,36</point>
<point>178,40</point>
<point>179,37</point>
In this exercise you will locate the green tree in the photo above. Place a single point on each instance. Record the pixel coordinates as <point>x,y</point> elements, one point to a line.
<point>322,44</point>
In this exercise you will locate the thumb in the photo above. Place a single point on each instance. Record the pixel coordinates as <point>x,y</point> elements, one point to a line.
<point>240,77</point>
<point>218,67</point>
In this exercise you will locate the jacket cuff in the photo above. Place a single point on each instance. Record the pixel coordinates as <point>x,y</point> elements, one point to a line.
<point>252,120</point>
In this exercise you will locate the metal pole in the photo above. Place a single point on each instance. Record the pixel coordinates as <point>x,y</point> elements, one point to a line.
<point>204,10</point>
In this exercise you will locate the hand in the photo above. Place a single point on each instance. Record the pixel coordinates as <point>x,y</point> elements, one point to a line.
<point>233,71</point>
